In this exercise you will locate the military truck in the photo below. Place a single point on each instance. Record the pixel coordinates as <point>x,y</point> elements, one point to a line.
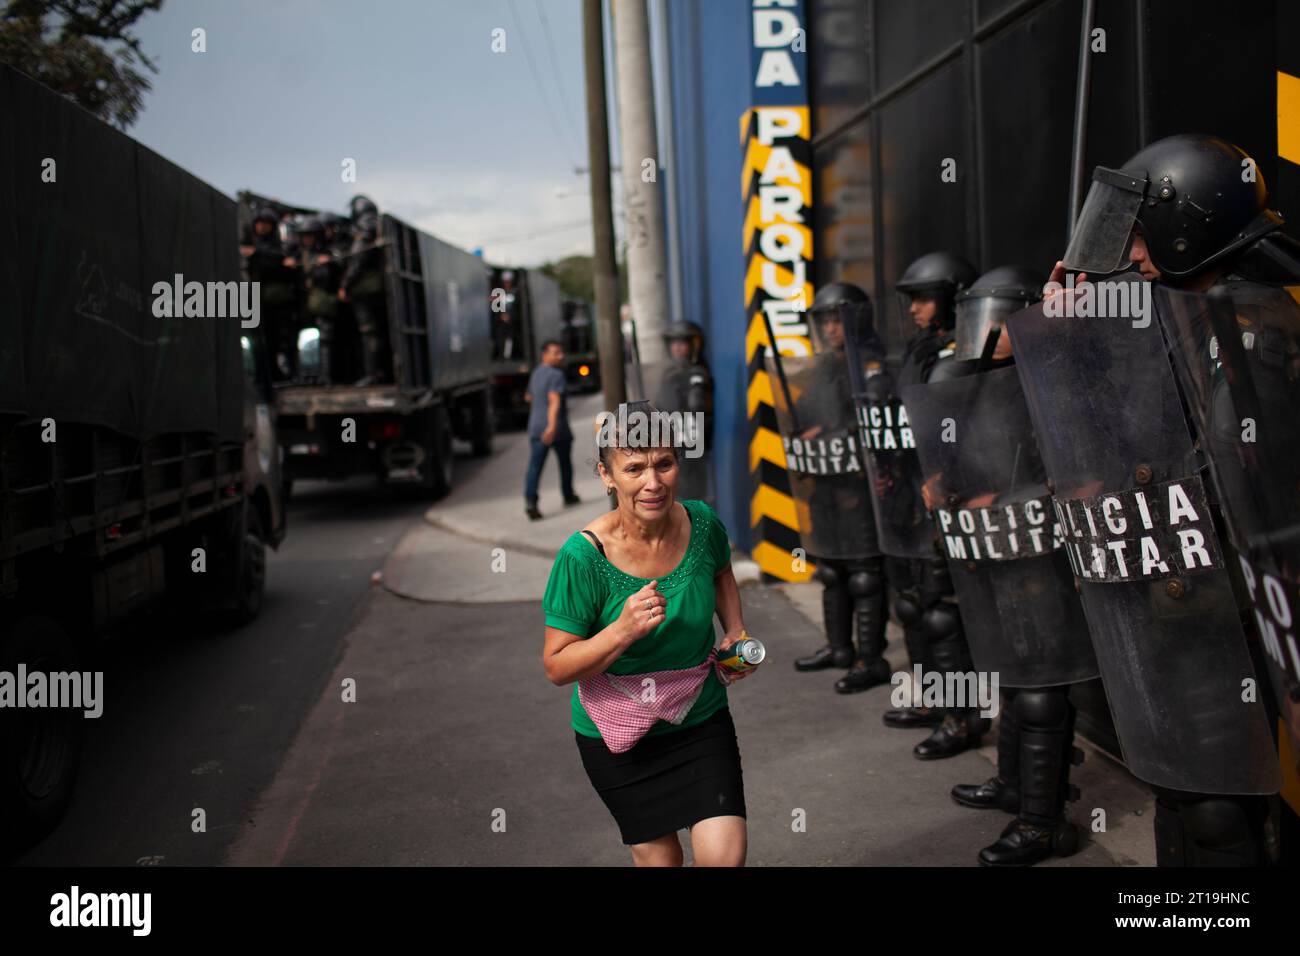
<point>138,458</point>
<point>434,358</point>
<point>581,354</point>
<point>525,312</point>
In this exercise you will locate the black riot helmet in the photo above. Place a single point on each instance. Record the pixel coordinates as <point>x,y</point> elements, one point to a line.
<point>688,332</point>
<point>938,276</point>
<point>266,214</point>
<point>1197,199</point>
<point>831,303</point>
<point>361,205</point>
<point>329,224</point>
<point>985,305</point>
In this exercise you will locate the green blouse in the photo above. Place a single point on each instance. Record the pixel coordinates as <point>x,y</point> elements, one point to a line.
<point>585,594</point>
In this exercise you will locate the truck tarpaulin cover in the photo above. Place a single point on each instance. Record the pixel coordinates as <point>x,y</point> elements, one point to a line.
<point>79,340</point>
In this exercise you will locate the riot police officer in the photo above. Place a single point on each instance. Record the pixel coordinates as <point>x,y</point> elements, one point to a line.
<point>686,386</point>
<point>1185,211</point>
<point>815,411</point>
<point>267,262</point>
<point>321,281</point>
<point>924,600</point>
<point>986,486</point>
<point>363,286</point>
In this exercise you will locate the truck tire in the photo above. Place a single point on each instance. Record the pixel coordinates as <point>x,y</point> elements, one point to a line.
<point>40,748</point>
<point>441,453</point>
<point>249,584</point>
<point>482,423</point>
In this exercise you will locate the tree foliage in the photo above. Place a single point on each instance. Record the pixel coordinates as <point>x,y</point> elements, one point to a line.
<point>83,49</point>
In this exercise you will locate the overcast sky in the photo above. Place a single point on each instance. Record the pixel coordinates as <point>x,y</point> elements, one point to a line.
<point>476,147</point>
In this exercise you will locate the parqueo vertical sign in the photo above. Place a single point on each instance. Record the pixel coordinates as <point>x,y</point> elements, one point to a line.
<point>776,183</point>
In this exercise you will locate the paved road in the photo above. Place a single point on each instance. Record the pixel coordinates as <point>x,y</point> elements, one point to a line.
<point>204,720</point>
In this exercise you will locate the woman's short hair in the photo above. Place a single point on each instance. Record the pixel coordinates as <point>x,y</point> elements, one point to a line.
<point>635,426</point>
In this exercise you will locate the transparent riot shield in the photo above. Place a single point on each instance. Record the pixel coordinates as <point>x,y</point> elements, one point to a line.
<point>1141,540</point>
<point>893,471</point>
<point>814,411</point>
<point>985,480</point>
<point>1237,355</point>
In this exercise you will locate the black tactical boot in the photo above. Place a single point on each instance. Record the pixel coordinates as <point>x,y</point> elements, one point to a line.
<point>959,731</point>
<point>914,638</point>
<point>1046,733</point>
<point>1002,790</point>
<point>837,617</point>
<point>906,718</point>
<point>961,727</point>
<point>870,669</point>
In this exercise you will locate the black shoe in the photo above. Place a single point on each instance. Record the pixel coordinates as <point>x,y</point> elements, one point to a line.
<point>905,718</point>
<point>828,656</point>
<point>571,501</point>
<point>955,735</point>
<point>1023,843</point>
<point>864,676</point>
<point>533,513</point>
<point>993,794</point>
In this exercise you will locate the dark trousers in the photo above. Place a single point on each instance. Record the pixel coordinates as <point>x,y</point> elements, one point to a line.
<point>563,451</point>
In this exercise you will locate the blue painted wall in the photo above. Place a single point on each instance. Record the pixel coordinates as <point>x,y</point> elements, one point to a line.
<point>708,44</point>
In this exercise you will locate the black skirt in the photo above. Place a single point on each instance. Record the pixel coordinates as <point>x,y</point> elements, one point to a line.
<point>668,781</point>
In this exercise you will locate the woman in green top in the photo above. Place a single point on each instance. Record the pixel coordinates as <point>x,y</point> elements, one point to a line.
<point>634,593</point>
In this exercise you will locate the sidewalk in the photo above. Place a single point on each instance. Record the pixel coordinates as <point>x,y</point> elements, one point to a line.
<point>444,560</point>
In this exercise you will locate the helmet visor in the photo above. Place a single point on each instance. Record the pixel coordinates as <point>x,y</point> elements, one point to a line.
<point>1101,237</point>
<point>976,318</point>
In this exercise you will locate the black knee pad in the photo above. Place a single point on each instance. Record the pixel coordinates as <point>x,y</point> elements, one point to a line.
<point>828,575</point>
<point>1047,708</point>
<point>941,623</point>
<point>1201,830</point>
<point>866,582</point>
<point>908,609</point>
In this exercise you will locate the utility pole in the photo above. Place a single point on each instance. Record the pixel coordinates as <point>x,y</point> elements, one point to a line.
<point>638,145</point>
<point>609,333</point>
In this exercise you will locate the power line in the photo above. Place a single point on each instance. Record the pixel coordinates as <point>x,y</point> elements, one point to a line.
<point>563,227</point>
<point>555,69</point>
<point>537,81</point>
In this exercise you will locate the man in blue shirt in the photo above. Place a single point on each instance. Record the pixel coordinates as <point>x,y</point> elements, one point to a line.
<point>548,426</point>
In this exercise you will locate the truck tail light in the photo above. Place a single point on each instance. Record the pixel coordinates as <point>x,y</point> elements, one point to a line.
<point>385,431</point>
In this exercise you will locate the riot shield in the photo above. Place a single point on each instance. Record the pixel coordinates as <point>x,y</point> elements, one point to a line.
<point>997,528</point>
<point>1141,541</point>
<point>814,411</point>
<point>893,471</point>
<point>1237,355</point>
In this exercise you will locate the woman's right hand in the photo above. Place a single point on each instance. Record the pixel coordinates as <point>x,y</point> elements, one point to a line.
<point>642,612</point>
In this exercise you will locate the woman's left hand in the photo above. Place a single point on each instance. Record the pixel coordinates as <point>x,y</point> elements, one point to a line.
<point>728,639</point>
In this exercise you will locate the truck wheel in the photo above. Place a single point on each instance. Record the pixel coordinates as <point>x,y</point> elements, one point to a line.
<point>250,580</point>
<point>441,454</point>
<point>40,748</point>
<point>482,423</point>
